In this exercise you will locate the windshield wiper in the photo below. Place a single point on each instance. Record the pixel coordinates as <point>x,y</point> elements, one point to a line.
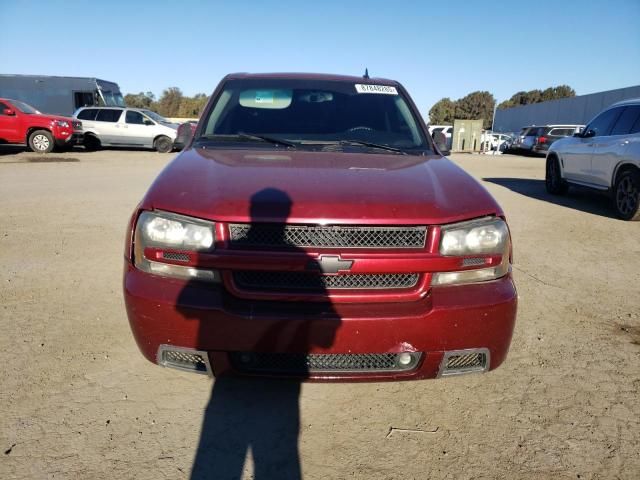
<point>246,136</point>
<point>264,138</point>
<point>373,145</point>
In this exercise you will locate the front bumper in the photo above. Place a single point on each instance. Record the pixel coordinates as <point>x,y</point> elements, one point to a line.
<point>76,138</point>
<point>207,318</point>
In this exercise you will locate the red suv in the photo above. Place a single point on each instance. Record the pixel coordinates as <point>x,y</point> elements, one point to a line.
<point>311,229</point>
<point>21,123</point>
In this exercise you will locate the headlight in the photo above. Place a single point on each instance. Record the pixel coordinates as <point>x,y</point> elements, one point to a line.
<point>173,232</point>
<point>485,236</point>
<point>62,123</point>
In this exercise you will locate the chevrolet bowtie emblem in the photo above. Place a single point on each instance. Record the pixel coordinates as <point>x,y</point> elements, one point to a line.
<point>329,264</point>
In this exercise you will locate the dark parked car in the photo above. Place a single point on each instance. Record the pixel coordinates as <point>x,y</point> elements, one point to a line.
<point>536,139</point>
<point>546,135</point>
<point>312,229</point>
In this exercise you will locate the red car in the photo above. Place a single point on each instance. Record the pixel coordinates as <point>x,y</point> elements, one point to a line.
<point>311,229</point>
<point>21,123</point>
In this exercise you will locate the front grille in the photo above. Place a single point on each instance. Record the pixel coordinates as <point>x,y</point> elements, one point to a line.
<point>292,236</point>
<point>301,364</point>
<point>264,280</point>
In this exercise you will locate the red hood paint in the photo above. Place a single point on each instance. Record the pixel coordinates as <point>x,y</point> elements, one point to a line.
<point>325,187</point>
<point>46,116</point>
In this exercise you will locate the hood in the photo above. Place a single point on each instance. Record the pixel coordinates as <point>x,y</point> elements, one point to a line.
<point>321,187</point>
<point>46,116</point>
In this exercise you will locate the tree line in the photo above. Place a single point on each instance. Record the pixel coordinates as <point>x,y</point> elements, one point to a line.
<point>172,103</point>
<point>481,104</point>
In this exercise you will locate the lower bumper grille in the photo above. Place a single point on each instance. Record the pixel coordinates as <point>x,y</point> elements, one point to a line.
<point>183,359</point>
<point>255,280</point>
<point>303,364</point>
<point>464,361</point>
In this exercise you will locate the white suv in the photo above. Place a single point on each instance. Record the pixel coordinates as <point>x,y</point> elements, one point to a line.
<point>126,127</point>
<point>605,156</point>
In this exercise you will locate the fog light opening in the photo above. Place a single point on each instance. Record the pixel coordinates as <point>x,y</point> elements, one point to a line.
<point>407,360</point>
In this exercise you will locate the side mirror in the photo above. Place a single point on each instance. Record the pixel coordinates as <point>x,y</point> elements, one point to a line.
<point>443,147</point>
<point>9,112</point>
<point>441,143</point>
<point>588,133</point>
<point>148,122</point>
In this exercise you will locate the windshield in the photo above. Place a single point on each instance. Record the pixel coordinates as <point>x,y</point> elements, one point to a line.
<point>155,116</point>
<point>307,112</point>
<point>112,99</point>
<point>24,107</point>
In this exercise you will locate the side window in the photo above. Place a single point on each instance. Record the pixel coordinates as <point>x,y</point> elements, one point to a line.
<point>88,114</point>
<point>83,99</point>
<point>636,126</point>
<point>626,120</point>
<point>134,117</point>
<point>2,107</point>
<point>109,115</point>
<point>601,124</point>
<point>561,132</point>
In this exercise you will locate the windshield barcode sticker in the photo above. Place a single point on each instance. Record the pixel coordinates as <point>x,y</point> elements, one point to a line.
<point>264,96</point>
<point>382,89</point>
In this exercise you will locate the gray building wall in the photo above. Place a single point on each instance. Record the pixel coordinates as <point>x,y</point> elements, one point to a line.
<point>573,111</point>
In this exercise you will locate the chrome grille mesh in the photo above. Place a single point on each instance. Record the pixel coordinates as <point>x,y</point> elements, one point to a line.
<point>293,363</point>
<point>473,262</point>
<point>191,361</point>
<point>176,257</point>
<point>291,236</point>
<point>264,280</point>
<point>470,360</point>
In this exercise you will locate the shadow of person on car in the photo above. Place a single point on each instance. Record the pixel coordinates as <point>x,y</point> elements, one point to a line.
<point>578,198</point>
<point>255,413</point>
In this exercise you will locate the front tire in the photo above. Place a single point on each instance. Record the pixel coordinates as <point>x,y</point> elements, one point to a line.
<point>163,144</point>
<point>91,143</point>
<point>626,195</point>
<point>553,180</point>
<point>41,141</point>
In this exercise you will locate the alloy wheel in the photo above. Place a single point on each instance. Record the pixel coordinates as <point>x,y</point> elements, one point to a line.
<point>626,195</point>
<point>41,142</point>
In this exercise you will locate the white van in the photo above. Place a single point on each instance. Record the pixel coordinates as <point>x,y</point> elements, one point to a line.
<point>126,127</point>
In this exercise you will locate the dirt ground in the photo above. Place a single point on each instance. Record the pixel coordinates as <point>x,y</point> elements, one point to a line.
<point>78,400</point>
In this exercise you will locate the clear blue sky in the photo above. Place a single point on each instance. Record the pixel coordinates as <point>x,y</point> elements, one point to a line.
<point>435,48</point>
